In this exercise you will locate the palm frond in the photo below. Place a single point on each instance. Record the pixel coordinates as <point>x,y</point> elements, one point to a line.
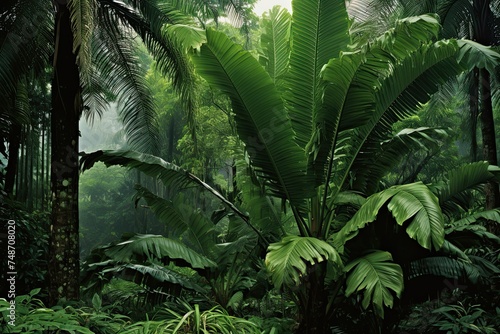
<point>24,45</point>
<point>320,30</point>
<point>148,20</point>
<point>455,15</point>
<point>288,259</point>
<point>83,16</point>
<point>261,122</point>
<point>117,63</point>
<point>376,275</point>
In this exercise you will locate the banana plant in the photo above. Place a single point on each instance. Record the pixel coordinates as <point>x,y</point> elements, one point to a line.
<point>315,115</point>
<point>316,134</point>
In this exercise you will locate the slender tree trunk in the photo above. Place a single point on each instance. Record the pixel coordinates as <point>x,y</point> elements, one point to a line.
<point>12,165</point>
<point>474,111</point>
<point>489,140</point>
<point>64,266</point>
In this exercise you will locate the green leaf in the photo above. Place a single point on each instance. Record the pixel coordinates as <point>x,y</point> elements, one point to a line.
<point>473,54</point>
<point>374,274</point>
<point>320,30</point>
<point>262,123</point>
<point>96,302</point>
<point>461,179</point>
<point>275,42</point>
<point>407,85</point>
<point>83,14</point>
<point>445,267</point>
<point>288,259</point>
<point>412,201</point>
<point>163,274</point>
<point>149,245</point>
<point>171,175</point>
<point>392,151</point>
<point>417,201</point>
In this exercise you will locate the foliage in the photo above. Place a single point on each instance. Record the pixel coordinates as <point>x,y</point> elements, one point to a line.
<point>371,274</point>
<point>214,320</point>
<point>106,207</point>
<point>31,245</point>
<point>286,259</point>
<point>462,318</point>
<point>323,134</point>
<point>31,316</point>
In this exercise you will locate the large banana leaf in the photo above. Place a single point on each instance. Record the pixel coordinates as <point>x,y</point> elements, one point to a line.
<point>376,275</point>
<point>392,151</point>
<point>445,267</point>
<point>288,259</point>
<point>320,30</point>
<point>473,54</point>
<point>461,179</point>
<point>182,222</point>
<point>408,84</point>
<point>275,42</point>
<point>170,174</point>
<point>261,120</point>
<point>162,274</point>
<point>149,246</point>
<point>413,203</point>
<point>466,222</point>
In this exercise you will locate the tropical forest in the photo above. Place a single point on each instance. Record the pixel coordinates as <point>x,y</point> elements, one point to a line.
<point>249,166</point>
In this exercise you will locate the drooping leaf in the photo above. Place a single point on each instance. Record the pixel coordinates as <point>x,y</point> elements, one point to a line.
<point>289,259</point>
<point>157,246</point>
<point>163,274</point>
<point>412,202</point>
<point>376,276</point>
<point>170,174</point>
<point>473,54</point>
<point>445,267</point>
<point>417,201</point>
<point>392,151</point>
<point>461,179</point>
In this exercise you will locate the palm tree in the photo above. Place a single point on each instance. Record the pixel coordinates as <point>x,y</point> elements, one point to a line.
<point>317,131</point>
<point>92,57</point>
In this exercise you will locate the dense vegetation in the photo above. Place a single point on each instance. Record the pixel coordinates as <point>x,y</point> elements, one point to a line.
<point>310,172</point>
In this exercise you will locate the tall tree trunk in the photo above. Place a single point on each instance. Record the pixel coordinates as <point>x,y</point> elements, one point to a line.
<point>64,266</point>
<point>489,141</point>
